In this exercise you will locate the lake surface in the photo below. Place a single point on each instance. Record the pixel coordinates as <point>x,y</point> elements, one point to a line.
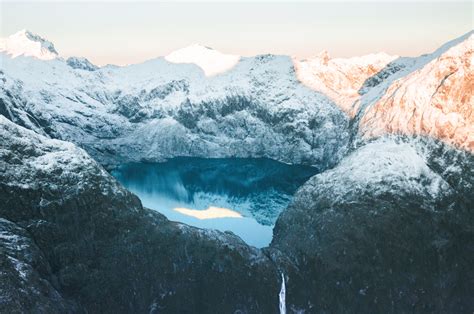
<point>241,195</point>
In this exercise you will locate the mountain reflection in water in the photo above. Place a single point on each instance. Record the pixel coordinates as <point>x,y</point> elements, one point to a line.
<point>244,196</point>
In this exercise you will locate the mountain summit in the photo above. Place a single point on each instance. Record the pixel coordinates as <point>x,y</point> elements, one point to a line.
<point>26,43</point>
<point>211,61</point>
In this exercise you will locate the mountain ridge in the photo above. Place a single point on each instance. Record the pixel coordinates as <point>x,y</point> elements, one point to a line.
<point>26,43</point>
<point>385,225</point>
<point>351,85</point>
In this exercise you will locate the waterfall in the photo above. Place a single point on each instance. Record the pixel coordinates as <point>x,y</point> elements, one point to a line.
<point>282,295</point>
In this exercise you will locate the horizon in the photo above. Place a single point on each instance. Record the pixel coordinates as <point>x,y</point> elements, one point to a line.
<point>156,29</point>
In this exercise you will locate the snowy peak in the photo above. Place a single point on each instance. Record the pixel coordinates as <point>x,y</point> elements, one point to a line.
<point>435,99</point>
<point>81,63</point>
<point>28,44</point>
<point>324,56</point>
<point>340,78</point>
<point>211,61</point>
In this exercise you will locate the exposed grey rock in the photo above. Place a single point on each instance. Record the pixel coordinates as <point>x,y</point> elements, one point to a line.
<point>159,110</point>
<point>97,246</point>
<point>81,63</point>
<point>26,281</point>
<point>385,230</point>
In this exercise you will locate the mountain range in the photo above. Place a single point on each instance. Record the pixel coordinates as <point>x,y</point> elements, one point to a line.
<point>386,225</point>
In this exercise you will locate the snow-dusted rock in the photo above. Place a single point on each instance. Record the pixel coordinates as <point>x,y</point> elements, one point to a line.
<point>25,274</point>
<point>73,240</point>
<point>270,106</point>
<point>158,110</point>
<point>434,100</point>
<point>388,228</point>
<point>25,43</point>
<point>341,79</point>
<point>81,63</point>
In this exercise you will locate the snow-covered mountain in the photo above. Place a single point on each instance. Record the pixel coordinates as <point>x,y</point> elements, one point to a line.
<point>66,224</point>
<point>341,79</point>
<point>25,43</point>
<point>386,226</point>
<point>159,109</point>
<point>436,99</point>
<point>198,101</point>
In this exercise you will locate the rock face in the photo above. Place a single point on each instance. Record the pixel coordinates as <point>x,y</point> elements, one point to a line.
<point>24,280</point>
<point>385,230</point>
<point>341,79</point>
<point>69,231</point>
<point>81,63</point>
<point>25,43</point>
<point>159,109</point>
<point>435,100</point>
<point>385,227</point>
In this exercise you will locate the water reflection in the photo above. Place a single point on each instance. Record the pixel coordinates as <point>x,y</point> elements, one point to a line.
<point>244,196</point>
<point>210,213</point>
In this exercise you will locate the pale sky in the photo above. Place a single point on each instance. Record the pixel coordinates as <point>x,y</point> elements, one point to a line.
<point>128,32</point>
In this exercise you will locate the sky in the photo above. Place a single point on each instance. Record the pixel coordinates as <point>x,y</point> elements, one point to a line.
<point>127,32</point>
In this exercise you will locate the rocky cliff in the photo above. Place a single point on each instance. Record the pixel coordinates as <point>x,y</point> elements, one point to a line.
<point>385,227</point>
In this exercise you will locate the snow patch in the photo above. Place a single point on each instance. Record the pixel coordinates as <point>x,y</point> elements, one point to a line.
<point>211,61</point>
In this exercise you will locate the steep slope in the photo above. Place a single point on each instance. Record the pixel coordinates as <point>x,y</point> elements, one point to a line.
<point>389,218</point>
<point>257,108</point>
<point>389,229</point>
<point>24,285</point>
<point>435,100</point>
<point>69,231</point>
<point>81,63</point>
<point>25,43</point>
<point>341,79</point>
<point>159,109</point>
